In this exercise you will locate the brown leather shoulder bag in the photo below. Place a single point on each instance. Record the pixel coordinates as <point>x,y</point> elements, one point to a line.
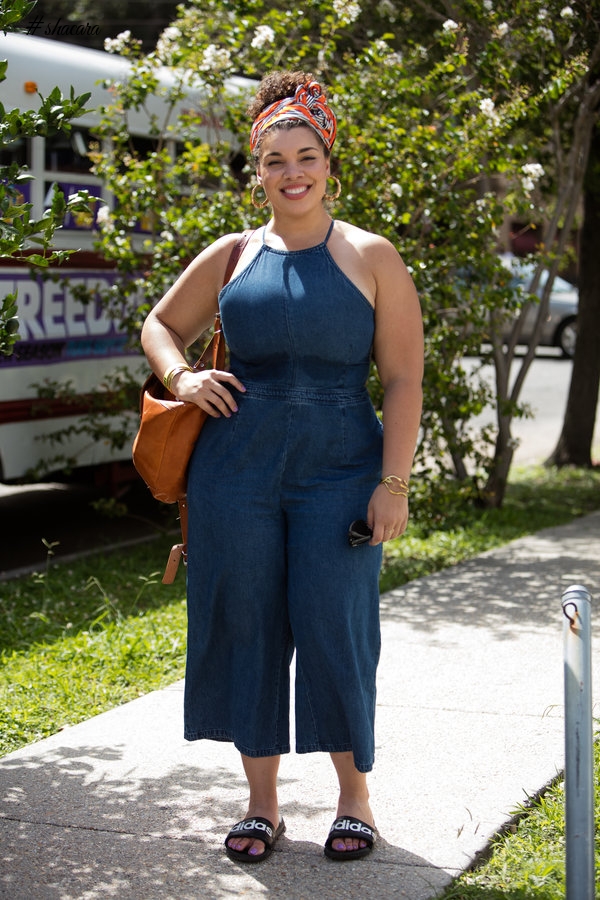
<point>169,428</point>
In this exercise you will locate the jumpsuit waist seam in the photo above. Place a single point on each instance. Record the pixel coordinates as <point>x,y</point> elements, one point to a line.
<point>327,396</point>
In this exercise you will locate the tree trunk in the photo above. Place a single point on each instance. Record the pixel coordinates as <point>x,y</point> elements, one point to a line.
<point>574,445</point>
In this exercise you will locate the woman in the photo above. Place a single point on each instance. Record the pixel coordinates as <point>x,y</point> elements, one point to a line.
<point>292,453</point>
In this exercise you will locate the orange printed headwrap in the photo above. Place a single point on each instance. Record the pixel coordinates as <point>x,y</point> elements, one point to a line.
<point>308,104</point>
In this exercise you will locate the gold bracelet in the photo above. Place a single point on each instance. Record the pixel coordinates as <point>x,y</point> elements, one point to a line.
<point>172,372</point>
<point>402,482</point>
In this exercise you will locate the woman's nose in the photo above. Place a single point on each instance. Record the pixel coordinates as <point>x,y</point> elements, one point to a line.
<point>293,168</point>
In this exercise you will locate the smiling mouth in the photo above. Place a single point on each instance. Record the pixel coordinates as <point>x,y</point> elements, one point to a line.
<point>296,191</point>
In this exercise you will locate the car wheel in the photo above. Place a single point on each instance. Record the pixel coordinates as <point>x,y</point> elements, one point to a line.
<point>566,337</point>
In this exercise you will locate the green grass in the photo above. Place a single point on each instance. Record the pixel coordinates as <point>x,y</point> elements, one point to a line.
<point>77,639</point>
<point>81,638</point>
<point>528,861</point>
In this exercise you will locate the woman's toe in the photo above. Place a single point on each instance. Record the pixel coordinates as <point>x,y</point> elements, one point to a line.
<point>256,848</point>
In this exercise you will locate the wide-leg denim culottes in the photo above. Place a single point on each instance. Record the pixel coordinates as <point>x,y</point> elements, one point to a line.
<point>271,493</point>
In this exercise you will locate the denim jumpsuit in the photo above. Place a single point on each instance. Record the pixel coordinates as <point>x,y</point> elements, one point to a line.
<point>271,493</point>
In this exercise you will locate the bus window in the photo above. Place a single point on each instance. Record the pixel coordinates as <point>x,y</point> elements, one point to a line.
<point>15,152</point>
<point>68,153</point>
<point>143,146</point>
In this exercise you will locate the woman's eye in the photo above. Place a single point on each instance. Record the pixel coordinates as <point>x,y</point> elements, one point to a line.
<point>280,162</point>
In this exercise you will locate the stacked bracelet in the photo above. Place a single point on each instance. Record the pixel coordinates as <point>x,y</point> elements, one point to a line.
<point>172,372</point>
<point>402,484</point>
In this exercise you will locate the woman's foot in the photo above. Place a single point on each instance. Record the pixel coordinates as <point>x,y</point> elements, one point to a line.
<point>355,809</point>
<point>261,773</point>
<point>253,846</point>
<point>353,802</point>
<point>259,836</point>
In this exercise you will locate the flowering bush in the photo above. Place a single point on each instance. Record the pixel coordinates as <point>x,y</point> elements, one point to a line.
<point>442,136</point>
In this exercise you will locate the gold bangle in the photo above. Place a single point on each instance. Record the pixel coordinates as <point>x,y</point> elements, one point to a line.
<point>389,480</point>
<point>172,372</point>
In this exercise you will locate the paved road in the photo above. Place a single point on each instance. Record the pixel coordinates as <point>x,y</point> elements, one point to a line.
<point>545,391</point>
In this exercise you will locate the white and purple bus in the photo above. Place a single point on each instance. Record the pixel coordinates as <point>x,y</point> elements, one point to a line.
<point>63,339</point>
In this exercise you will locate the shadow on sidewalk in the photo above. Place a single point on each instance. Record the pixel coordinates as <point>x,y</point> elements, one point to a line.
<point>508,589</point>
<point>74,824</point>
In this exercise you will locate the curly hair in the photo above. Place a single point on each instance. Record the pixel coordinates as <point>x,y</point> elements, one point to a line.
<point>276,86</point>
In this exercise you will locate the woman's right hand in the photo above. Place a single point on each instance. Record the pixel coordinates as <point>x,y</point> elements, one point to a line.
<point>210,390</point>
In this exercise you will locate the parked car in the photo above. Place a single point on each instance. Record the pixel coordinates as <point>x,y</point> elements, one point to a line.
<point>560,325</point>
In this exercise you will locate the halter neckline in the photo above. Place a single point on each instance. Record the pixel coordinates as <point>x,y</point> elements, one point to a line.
<point>322,243</point>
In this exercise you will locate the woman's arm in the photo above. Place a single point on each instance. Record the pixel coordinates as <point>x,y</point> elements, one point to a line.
<point>179,318</point>
<point>398,351</point>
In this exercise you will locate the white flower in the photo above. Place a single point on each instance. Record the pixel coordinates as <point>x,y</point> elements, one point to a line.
<point>547,34</point>
<point>170,34</point>
<point>346,10</point>
<point>393,59</point>
<point>388,57</point>
<point>164,45</point>
<point>450,25</point>
<point>488,5</point>
<point>103,219</point>
<point>396,189</point>
<point>263,35</point>
<point>215,59</point>
<point>502,29</point>
<point>118,44</point>
<point>534,170</point>
<point>567,13</point>
<point>488,108</point>
<point>532,173</point>
<point>386,9</point>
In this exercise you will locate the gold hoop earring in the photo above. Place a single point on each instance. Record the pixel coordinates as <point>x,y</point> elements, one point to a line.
<point>255,202</point>
<point>338,189</point>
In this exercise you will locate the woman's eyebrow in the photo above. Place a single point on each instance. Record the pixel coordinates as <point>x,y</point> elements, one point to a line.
<point>278,152</point>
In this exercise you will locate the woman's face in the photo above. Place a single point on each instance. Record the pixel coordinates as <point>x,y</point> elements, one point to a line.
<point>293,168</point>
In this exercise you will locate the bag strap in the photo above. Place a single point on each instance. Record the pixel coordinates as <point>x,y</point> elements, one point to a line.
<point>178,551</point>
<point>216,349</point>
<point>234,256</point>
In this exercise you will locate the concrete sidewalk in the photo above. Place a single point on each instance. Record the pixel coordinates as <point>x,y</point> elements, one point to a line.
<point>470,723</point>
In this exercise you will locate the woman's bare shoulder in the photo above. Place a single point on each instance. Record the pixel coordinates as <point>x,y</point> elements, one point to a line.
<point>363,240</point>
<point>212,261</point>
<point>220,248</point>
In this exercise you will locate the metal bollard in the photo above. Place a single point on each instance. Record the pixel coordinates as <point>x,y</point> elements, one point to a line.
<point>579,749</point>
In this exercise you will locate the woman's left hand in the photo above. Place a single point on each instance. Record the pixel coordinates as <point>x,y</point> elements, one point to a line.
<point>387,515</point>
